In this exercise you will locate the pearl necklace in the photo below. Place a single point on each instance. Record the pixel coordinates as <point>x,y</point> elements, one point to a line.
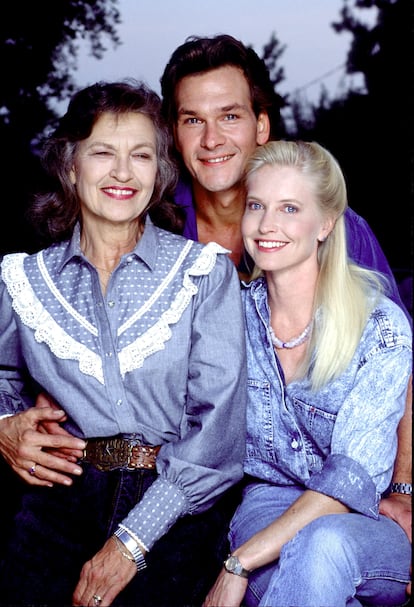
<point>292,343</point>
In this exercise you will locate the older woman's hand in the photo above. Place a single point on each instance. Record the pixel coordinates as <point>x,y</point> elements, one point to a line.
<point>103,577</point>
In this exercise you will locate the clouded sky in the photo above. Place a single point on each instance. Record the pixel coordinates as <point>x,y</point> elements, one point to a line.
<point>152,29</point>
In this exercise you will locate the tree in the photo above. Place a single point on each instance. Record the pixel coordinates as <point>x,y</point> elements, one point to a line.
<point>369,130</point>
<point>38,46</point>
<point>271,54</point>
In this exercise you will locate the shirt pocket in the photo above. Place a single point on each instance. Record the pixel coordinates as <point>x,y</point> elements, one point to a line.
<point>316,426</point>
<point>260,422</point>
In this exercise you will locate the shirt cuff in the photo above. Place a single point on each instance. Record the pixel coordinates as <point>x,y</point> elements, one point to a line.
<point>346,480</point>
<point>161,506</point>
<point>4,415</point>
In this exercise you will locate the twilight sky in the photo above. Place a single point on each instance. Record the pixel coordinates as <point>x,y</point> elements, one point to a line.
<point>152,29</point>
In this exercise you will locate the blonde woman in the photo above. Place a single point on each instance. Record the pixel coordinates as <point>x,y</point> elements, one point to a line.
<point>329,358</point>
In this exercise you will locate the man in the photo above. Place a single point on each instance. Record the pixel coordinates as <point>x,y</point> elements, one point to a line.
<point>219,100</point>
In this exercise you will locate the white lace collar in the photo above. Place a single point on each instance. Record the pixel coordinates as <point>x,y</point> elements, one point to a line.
<point>46,330</point>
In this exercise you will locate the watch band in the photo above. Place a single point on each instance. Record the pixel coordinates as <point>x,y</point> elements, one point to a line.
<point>131,545</point>
<point>404,488</point>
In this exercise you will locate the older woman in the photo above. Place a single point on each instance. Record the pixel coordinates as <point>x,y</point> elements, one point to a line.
<point>329,357</point>
<point>137,333</point>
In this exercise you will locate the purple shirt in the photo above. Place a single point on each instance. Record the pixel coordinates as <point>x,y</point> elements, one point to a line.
<point>363,246</point>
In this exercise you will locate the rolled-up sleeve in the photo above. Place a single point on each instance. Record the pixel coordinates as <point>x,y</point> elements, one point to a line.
<point>364,440</point>
<point>348,482</point>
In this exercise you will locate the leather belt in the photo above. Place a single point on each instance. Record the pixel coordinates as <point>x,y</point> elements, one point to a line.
<point>116,452</point>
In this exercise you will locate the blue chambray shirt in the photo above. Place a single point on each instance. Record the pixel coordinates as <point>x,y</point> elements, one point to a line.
<point>341,440</point>
<point>160,357</point>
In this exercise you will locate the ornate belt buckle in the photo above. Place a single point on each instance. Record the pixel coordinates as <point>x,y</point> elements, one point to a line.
<point>143,457</point>
<point>108,455</point>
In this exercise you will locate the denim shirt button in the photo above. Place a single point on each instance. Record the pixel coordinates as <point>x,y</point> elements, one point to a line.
<point>294,444</point>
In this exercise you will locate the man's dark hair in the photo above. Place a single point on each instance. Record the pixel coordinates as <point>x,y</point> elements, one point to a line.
<point>198,55</point>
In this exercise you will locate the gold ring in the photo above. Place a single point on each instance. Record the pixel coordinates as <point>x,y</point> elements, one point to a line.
<point>32,470</point>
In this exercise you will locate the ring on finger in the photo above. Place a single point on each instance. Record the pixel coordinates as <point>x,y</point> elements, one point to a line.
<point>32,470</point>
<point>97,600</point>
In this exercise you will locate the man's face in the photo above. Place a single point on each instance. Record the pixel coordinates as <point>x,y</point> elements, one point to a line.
<point>216,129</point>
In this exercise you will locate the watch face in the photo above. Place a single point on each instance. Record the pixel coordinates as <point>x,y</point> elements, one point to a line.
<point>232,564</point>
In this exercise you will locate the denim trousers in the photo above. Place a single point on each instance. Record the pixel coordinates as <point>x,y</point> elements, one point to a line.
<point>338,560</point>
<point>56,530</point>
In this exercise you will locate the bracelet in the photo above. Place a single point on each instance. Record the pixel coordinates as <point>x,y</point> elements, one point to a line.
<point>118,544</point>
<point>404,488</point>
<point>131,545</point>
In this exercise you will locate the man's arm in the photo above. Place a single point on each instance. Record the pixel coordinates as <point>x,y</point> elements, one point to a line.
<point>398,506</point>
<point>403,462</point>
<point>365,250</point>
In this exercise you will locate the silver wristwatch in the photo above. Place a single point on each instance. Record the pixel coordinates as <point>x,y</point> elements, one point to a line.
<point>233,565</point>
<point>404,488</point>
<point>132,546</point>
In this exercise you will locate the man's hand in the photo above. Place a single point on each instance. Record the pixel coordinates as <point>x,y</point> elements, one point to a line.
<point>104,576</point>
<point>54,427</point>
<point>30,451</point>
<point>398,507</point>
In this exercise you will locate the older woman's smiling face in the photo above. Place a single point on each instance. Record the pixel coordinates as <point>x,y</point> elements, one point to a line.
<point>115,168</point>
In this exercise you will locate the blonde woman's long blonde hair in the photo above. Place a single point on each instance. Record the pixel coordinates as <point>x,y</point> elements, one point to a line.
<point>345,293</point>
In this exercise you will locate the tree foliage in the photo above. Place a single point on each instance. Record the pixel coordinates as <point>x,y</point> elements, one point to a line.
<point>272,52</point>
<point>369,131</point>
<point>38,49</point>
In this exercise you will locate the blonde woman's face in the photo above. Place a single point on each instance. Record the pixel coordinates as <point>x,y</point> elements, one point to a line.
<point>282,223</point>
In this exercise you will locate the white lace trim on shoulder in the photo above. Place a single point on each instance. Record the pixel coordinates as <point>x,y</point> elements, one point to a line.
<point>133,356</point>
<point>34,315</point>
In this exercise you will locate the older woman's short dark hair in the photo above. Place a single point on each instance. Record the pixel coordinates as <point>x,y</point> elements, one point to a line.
<point>55,212</point>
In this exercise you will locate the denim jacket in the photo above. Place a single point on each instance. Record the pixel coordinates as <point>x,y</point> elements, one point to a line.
<point>342,439</point>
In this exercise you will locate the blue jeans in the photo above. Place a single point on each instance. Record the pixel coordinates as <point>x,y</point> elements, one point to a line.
<point>57,529</point>
<point>336,561</point>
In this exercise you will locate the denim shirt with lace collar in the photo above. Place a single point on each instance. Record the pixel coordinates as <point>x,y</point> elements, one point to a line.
<point>159,357</point>
<point>341,440</point>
